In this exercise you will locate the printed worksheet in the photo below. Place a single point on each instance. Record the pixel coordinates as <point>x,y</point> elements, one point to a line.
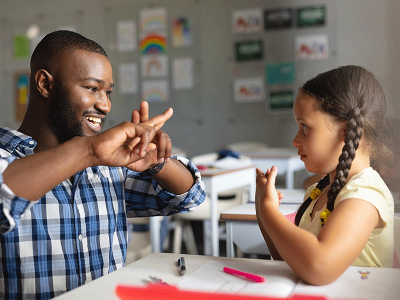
<point>279,278</point>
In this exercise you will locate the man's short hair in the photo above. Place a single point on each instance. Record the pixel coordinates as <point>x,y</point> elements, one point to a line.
<point>58,43</point>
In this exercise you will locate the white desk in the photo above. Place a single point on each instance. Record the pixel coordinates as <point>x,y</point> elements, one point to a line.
<point>242,227</point>
<point>381,283</point>
<point>217,181</point>
<point>286,159</point>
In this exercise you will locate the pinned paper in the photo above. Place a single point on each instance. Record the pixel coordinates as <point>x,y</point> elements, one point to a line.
<point>278,18</point>
<point>312,47</point>
<point>247,21</point>
<point>248,90</point>
<point>182,35</point>
<point>128,78</point>
<point>21,46</point>
<point>182,73</point>
<point>153,43</point>
<point>155,90</point>
<point>249,50</point>
<point>154,66</point>
<point>311,16</point>
<point>153,19</point>
<point>281,73</point>
<point>126,36</point>
<point>21,94</point>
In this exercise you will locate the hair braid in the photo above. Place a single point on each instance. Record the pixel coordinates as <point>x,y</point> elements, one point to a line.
<point>352,141</point>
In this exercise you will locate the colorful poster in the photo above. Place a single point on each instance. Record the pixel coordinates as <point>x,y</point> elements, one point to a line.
<point>247,21</point>
<point>182,73</point>
<point>21,46</point>
<point>312,47</point>
<point>281,73</point>
<point>21,94</point>
<point>153,43</point>
<point>278,18</point>
<point>248,90</point>
<point>128,78</point>
<point>311,16</point>
<point>153,19</point>
<point>155,90</point>
<point>126,36</point>
<point>281,100</point>
<point>249,50</point>
<point>182,35</point>
<point>154,66</point>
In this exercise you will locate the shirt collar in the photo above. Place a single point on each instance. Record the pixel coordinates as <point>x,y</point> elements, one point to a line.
<point>15,142</point>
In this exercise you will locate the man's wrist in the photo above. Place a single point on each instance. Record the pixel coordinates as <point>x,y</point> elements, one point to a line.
<point>152,171</point>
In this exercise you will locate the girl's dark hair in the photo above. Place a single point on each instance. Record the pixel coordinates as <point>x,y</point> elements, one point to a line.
<point>351,94</point>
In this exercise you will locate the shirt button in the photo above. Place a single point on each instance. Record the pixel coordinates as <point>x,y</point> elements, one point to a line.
<point>80,237</point>
<point>18,149</point>
<point>31,142</point>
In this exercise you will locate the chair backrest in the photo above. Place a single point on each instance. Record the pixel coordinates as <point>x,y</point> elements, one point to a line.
<point>205,159</point>
<point>248,146</point>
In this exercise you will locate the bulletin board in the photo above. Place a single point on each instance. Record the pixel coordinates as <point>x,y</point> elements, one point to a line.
<point>275,47</point>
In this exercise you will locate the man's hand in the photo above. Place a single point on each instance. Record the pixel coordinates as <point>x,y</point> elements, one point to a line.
<point>162,142</point>
<point>128,144</point>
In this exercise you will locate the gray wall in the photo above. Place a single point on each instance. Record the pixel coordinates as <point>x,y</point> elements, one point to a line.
<point>363,32</point>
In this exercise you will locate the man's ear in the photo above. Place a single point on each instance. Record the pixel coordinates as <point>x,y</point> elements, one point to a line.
<point>44,82</point>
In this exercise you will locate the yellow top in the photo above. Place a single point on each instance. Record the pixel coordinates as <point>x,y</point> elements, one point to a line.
<point>369,186</point>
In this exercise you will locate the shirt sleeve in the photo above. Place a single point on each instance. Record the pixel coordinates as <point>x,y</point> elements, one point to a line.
<point>371,189</point>
<point>11,206</point>
<point>145,197</point>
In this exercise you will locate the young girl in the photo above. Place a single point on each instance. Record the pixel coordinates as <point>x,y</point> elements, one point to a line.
<point>347,218</point>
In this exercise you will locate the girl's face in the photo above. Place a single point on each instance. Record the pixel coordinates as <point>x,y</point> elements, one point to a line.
<point>320,137</point>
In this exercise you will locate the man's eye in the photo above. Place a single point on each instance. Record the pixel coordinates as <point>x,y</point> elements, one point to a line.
<point>93,89</point>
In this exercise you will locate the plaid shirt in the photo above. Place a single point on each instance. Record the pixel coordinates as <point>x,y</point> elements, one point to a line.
<point>76,232</point>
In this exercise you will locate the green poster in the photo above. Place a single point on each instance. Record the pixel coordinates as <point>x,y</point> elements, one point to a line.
<point>249,50</point>
<point>21,46</point>
<point>281,73</point>
<point>281,100</point>
<point>311,16</point>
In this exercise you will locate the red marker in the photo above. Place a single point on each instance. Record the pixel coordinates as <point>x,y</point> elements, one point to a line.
<point>248,276</point>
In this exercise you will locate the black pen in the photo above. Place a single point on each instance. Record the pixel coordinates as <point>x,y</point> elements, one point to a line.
<point>181,264</point>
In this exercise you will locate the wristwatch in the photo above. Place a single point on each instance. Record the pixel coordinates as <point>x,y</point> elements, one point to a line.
<point>153,171</point>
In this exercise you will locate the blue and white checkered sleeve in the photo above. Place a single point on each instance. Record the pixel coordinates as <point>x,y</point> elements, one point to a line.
<point>11,206</point>
<point>145,197</point>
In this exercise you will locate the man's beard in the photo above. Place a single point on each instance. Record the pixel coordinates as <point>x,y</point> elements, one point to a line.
<point>63,119</point>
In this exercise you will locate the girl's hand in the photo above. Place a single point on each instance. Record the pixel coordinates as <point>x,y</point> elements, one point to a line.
<point>265,188</point>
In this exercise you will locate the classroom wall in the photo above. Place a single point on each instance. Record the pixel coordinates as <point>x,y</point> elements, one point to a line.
<point>363,32</point>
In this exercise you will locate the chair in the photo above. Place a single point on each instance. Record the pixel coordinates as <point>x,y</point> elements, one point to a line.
<point>182,222</point>
<point>397,241</point>
<point>139,244</point>
<point>247,146</point>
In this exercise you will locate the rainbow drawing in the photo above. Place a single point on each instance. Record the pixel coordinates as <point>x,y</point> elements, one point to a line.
<point>153,43</point>
<point>154,18</point>
<point>155,91</point>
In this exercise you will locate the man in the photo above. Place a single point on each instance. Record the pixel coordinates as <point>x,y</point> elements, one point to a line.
<point>65,188</point>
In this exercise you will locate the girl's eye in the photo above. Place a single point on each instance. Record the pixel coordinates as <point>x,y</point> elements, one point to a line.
<point>304,127</point>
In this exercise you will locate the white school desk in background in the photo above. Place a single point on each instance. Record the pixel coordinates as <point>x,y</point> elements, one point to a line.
<point>355,283</point>
<point>286,159</point>
<point>215,181</point>
<point>242,227</point>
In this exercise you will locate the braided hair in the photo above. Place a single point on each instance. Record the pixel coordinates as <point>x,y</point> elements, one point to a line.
<point>351,94</point>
